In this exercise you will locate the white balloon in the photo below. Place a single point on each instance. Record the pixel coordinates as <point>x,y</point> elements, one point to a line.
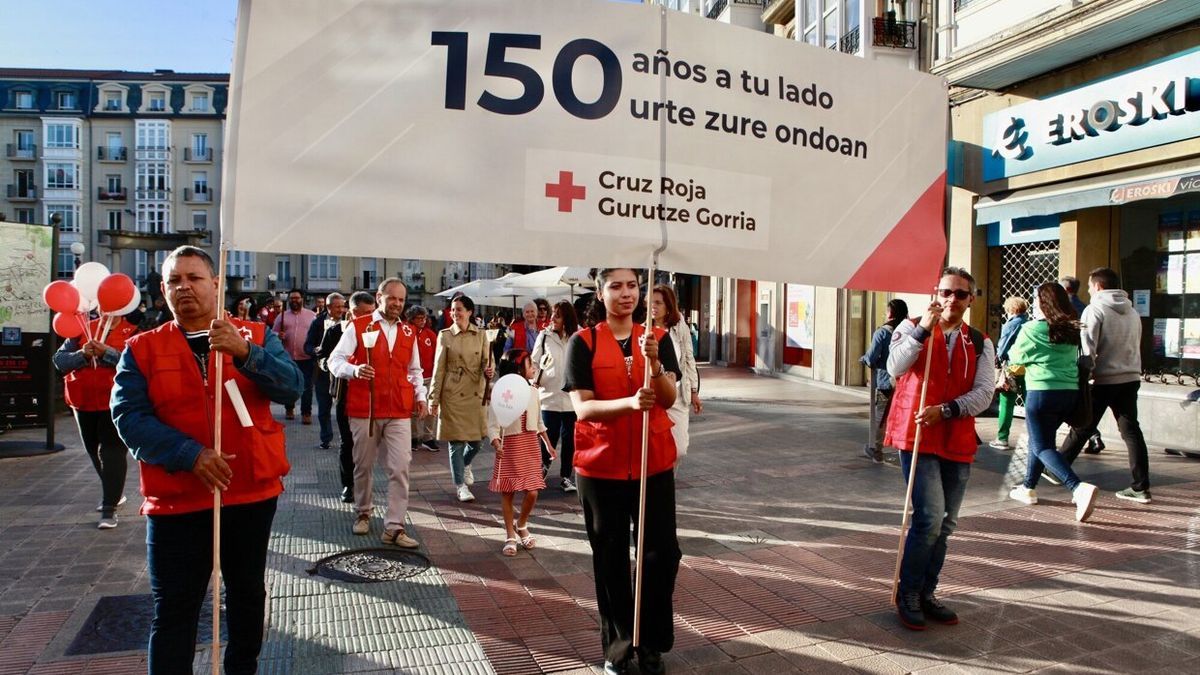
<point>133,304</point>
<point>510,396</point>
<point>88,277</point>
<point>86,306</point>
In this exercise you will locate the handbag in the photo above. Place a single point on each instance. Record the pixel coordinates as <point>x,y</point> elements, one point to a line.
<point>1081,416</point>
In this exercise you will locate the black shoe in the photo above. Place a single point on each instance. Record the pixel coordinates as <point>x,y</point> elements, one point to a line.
<point>325,445</point>
<point>348,495</point>
<point>1094,445</point>
<point>934,610</point>
<point>909,610</point>
<point>431,446</point>
<point>651,662</point>
<point>618,668</point>
<point>873,453</point>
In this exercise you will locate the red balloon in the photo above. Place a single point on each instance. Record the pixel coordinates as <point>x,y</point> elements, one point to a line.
<point>68,325</point>
<point>116,291</point>
<point>61,296</point>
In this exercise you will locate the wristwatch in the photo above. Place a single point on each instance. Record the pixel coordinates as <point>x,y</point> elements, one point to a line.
<point>947,411</point>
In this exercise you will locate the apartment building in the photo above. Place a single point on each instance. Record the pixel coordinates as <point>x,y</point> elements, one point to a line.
<point>1076,143</point>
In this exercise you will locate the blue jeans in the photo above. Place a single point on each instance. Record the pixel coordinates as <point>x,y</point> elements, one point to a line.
<point>937,495</point>
<point>179,559</point>
<point>461,453</point>
<point>560,425</point>
<point>324,404</point>
<point>1045,411</point>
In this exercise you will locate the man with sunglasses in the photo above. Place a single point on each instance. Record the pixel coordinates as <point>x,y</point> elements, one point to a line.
<point>961,383</point>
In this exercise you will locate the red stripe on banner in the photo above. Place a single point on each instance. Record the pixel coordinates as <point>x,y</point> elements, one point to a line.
<point>912,254</point>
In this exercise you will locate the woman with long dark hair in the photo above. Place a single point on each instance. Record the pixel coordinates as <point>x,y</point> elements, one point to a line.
<point>665,309</point>
<point>1048,347</point>
<point>605,370</point>
<point>549,361</point>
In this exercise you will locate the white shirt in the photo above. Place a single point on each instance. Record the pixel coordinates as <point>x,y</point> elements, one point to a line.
<point>339,360</point>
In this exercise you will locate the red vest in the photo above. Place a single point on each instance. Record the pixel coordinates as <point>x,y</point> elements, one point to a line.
<point>426,345</point>
<point>393,392</point>
<point>184,400</point>
<point>518,334</point>
<point>88,388</point>
<point>612,449</point>
<point>949,377</point>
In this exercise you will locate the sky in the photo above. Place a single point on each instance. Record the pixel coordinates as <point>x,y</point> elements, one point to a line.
<point>181,35</point>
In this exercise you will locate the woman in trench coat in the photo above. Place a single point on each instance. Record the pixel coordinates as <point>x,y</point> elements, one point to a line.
<point>461,368</point>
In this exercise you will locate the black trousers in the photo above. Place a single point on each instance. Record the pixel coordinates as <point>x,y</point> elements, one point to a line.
<point>609,510</point>
<point>107,452</point>
<point>346,453</point>
<point>179,556</point>
<point>1121,399</point>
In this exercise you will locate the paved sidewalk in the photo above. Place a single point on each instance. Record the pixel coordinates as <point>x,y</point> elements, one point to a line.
<point>789,539</point>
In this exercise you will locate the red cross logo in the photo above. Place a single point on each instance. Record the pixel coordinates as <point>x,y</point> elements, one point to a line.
<point>565,191</point>
<point>507,396</point>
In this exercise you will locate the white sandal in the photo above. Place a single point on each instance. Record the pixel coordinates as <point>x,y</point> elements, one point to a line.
<point>527,540</point>
<point>510,547</point>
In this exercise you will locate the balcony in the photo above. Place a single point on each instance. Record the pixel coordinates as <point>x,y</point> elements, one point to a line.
<point>112,153</point>
<point>716,9</point>
<point>106,195</point>
<point>16,152</point>
<point>197,155</point>
<point>887,32</point>
<point>198,196</point>
<point>849,42</point>
<point>19,193</point>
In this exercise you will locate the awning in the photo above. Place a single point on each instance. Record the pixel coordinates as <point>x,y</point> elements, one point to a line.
<point>1157,182</point>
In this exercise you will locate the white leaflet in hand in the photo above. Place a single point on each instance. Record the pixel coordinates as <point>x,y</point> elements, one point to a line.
<point>235,399</point>
<point>510,396</point>
<point>369,338</point>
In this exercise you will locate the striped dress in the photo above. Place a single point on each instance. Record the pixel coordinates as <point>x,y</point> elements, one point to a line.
<point>520,466</point>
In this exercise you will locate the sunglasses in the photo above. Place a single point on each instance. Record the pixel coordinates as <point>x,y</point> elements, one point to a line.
<point>958,293</point>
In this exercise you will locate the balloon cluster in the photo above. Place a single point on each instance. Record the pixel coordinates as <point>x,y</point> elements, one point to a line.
<point>93,287</point>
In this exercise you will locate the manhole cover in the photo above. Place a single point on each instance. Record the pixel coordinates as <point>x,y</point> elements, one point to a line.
<point>371,565</point>
<point>121,623</point>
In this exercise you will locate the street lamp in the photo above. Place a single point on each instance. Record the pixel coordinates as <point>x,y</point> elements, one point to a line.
<point>77,249</point>
<point>271,279</point>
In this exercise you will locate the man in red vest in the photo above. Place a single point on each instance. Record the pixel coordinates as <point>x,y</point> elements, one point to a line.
<point>961,381</point>
<point>424,430</point>
<point>89,366</point>
<point>162,404</point>
<point>378,355</point>
<point>524,331</point>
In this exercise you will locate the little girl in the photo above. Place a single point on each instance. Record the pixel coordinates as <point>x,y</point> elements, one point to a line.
<point>518,457</point>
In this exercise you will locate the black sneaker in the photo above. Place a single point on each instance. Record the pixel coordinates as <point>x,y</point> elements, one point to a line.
<point>651,662</point>
<point>324,445</point>
<point>909,610</point>
<point>567,485</point>
<point>348,495</point>
<point>934,610</point>
<point>431,446</point>
<point>618,668</point>
<point>873,453</point>
<point>1094,445</point>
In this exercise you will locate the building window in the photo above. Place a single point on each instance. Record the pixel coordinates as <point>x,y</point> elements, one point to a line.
<point>114,183</point>
<point>152,135</point>
<point>200,182</point>
<point>239,264</point>
<point>66,100</point>
<point>62,176</point>
<point>114,220</point>
<point>69,214</point>
<point>153,217</point>
<point>199,220</point>
<point>24,215</point>
<point>200,103</point>
<point>62,136</point>
<point>66,262</point>
<point>112,101</point>
<point>23,100</point>
<point>200,147</point>
<point>157,101</point>
<point>24,138</point>
<point>323,267</point>
<point>153,180</point>
<point>810,30</point>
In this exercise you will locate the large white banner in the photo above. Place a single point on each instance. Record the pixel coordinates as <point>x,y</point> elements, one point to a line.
<point>562,132</point>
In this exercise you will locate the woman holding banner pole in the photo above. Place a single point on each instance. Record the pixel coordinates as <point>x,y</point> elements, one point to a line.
<point>939,409</point>
<point>605,366</point>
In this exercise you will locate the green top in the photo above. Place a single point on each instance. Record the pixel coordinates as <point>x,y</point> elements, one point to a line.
<point>1047,365</point>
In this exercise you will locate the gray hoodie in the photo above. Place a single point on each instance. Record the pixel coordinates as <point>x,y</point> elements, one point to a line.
<point>1112,333</point>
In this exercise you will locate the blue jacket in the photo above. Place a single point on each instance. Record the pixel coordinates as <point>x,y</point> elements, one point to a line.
<point>877,356</point>
<point>1008,335</point>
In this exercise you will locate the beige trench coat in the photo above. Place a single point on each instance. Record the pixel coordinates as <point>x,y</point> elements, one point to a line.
<point>458,383</point>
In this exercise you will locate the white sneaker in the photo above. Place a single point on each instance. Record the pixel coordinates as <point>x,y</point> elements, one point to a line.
<point>1085,500</point>
<point>1023,494</point>
<point>120,503</point>
<point>464,494</point>
<point>999,444</point>
<point>468,475</point>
